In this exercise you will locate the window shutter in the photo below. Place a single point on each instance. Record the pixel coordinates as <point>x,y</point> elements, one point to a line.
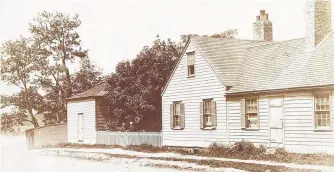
<point>213,114</point>
<point>258,112</point>
<point>243,113</point>
<point>201,115</point>
<point>182,115</point>
<point>172,116</point>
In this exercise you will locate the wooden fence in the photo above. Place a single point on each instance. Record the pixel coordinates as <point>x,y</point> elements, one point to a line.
<point>129,138</point>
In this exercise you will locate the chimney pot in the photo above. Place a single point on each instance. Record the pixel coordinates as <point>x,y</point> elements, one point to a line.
<point>257,18</point>
<point>266,17</point>
<point>262,12</point>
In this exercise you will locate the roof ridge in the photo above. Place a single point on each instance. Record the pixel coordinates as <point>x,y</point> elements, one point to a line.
<point>275,43</point>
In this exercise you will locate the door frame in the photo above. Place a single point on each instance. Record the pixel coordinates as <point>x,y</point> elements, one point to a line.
<point>83,126</point>
<point>283,119</point>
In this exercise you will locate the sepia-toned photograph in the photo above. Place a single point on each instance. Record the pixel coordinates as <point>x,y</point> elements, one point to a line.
<point>167,85</point>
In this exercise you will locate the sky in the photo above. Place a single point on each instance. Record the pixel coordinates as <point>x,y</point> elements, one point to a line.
<point>114,30</point>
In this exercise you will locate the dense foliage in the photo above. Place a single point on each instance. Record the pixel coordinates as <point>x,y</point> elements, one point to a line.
<point>38,66</point>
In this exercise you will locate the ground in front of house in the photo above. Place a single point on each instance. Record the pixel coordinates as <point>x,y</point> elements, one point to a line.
<point>14,152</point>
<point>16,158</point>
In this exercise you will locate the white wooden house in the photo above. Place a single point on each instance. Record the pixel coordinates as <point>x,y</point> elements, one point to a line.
<point>277,94</point>
<point>85,115</point>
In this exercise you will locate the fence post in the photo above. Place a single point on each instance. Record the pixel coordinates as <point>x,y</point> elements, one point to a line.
<point>127,139</point>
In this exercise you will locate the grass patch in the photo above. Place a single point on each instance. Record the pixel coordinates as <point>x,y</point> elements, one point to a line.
<point>240,150</point>
<point>78,146</point>
<point>237,165</point>
<point>247,150</point>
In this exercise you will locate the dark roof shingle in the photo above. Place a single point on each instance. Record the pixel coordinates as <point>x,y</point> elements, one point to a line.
<point>97,91</point>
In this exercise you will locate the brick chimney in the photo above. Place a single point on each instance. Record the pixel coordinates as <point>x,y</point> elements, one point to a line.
<point>263,28</point>
<point>318,21</point>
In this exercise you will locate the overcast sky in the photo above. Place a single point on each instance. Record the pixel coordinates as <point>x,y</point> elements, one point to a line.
<point>114,30</point>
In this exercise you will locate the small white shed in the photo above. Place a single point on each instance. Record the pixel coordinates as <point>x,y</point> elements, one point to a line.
<point>85,115</point>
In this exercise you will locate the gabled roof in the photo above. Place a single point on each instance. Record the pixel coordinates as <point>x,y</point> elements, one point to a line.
<point>97,91</point>
<point>286,65</point>
<point>225,55</point>
<point>248,66</point>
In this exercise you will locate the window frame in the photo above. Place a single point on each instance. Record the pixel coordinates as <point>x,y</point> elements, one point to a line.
<point>177,104</point>
<point>190,55</point>
<point>207,102</point>
<point>316,126</point>
<point>247,113</point>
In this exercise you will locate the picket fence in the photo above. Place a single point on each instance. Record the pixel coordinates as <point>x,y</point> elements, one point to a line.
<point>129,138</point>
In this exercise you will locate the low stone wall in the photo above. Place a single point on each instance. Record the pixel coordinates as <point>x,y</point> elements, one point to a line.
<point>46,135</point>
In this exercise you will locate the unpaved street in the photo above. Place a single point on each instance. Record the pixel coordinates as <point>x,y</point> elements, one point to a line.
<point>16,158</point>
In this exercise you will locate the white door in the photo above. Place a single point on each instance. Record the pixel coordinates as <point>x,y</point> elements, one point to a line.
<point>276,122</point>
<point>80,127</point>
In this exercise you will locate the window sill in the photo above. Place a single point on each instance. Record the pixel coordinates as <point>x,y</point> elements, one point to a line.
<point>323,129</point>
<point>251,129</point>
<point>177,128</point>
<point>191,76</point>
<point>208,128</point>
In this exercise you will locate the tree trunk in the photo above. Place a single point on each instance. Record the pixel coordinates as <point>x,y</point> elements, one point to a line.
<point>68,79</point>
<point>33,119</point>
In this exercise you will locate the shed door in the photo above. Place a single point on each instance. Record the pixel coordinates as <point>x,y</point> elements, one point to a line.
<point>276,122</point>
<point>80,127</point>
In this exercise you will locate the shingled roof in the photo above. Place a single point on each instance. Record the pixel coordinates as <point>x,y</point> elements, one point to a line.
<point>284,65</point>
<point>97,91</point>
<point>225,55</point>
<point>248,65</point>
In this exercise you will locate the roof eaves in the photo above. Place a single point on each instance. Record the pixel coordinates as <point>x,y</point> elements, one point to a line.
<point>275,90</point>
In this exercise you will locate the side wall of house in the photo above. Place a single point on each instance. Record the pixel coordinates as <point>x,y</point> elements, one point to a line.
<point>300,135</point>
<point>101,113</point>
<point>87,107</point>
<point>299,132</point>
<point>191,91</point>
<point>234,120</point>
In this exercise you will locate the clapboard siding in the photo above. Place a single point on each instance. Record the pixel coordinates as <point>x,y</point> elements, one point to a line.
<point>236,134</point>
<point>300,135</point>
<point>101,112</point>
<point>87,107</point>
<point>191,91</point>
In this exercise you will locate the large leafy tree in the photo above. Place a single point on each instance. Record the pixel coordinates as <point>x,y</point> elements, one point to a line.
<point>135,88</point>
<point>18,64</point>
<point>56,36</point>
<point>87,77</point>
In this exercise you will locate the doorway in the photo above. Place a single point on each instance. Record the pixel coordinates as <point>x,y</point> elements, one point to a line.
<point>276,131</point>
<point>80,127</point>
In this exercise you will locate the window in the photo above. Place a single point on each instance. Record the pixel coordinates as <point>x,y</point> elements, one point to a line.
<point>208,114</point>
<point>177,115</point>
<point>177,118</point>
<point>250,114</point>
<point>191,63</point>
<point>322,111</point>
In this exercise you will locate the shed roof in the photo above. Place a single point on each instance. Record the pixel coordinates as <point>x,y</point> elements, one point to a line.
<point>97,91</point>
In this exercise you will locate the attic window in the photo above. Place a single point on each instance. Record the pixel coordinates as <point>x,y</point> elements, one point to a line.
<point>191,63</point>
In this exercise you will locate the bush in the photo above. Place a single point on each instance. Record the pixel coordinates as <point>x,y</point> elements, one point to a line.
<point>242,149</point>
<point>146,148</point>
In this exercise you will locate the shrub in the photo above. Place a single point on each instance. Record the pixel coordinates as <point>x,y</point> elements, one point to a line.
<point>242,149</point>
